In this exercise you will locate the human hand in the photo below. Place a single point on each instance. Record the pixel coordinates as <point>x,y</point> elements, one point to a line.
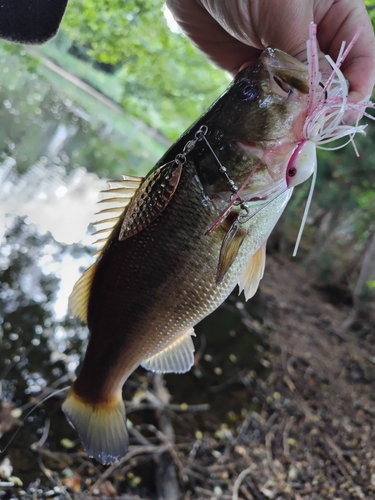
<point>232,33</point>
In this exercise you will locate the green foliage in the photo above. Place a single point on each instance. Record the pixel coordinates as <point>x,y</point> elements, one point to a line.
<point>165,81</point>
<point>107,84</point>
<point>370,6</point>
<point>39,103</point>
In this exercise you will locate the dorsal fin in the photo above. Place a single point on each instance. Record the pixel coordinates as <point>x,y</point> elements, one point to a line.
<point>123,190</point>
<point>118,196</point>
<point>253,273</point>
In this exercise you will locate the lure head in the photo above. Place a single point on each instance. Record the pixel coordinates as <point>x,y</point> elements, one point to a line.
<point>302,164</point>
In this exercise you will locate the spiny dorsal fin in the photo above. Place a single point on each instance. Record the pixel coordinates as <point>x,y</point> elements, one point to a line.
<point>253,273</point>
<point>118,196</point>
<point>131,178</point>
<point>124,191</point>
<point>177,357</point>
<point>230,246</point>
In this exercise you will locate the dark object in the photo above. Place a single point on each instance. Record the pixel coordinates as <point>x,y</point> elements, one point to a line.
<point>30,21</point>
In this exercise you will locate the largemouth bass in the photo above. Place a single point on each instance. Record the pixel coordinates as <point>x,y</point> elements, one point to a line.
<point>187,234</point>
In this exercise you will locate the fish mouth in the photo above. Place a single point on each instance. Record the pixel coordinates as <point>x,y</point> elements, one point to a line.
<point>257,197</point>
<point>287,74</point>
<point>264,194</point>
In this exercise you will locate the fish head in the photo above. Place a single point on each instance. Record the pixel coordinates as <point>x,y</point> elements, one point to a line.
<point>266,98</point>
<point>258,124</point>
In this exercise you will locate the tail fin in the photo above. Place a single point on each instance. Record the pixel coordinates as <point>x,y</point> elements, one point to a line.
<point>101,426</point>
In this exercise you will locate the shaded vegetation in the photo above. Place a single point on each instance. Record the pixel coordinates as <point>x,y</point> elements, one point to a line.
<point>157,76</point>
<point>37,105</point>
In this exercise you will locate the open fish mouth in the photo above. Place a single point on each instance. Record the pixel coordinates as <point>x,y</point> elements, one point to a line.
<point>289,77</point>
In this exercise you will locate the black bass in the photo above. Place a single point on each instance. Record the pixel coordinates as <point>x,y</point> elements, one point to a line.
<point>182,239</point>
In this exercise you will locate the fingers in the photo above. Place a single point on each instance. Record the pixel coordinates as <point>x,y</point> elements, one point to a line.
<point>286,25</point>
<point>233,34</point>
<point>342,23</point>
<point>210,37</point>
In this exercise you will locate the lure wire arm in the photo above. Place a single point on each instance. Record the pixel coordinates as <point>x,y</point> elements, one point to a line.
<point>180,159</point>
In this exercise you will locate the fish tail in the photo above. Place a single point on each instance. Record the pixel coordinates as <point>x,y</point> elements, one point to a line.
<point>100,425</point>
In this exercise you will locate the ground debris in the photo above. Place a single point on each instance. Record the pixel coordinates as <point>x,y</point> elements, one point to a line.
<point>299,425</point>
<point>9,416</point>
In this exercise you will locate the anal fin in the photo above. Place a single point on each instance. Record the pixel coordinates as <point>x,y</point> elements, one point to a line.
<point>177,357</point>
<point>253,273</point>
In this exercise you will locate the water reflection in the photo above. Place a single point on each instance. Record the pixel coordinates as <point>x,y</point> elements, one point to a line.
<point>35,346</point>
<point>55,200</point>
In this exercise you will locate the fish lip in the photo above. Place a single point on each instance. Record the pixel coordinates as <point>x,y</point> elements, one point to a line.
<point>280,60</point>
<point>257,148</point>
<point>265,193</point>
<point>262,195</point>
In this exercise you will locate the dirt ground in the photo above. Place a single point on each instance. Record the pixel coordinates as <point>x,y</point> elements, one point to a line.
<point>292,417</point>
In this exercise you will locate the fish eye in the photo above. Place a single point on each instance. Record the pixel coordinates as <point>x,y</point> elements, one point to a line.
<point>248,91</point>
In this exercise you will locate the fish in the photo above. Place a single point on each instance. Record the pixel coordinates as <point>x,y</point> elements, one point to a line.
<point>182,238</point>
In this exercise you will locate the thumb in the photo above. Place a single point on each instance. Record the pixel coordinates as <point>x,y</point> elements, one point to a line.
<point>273,20</point>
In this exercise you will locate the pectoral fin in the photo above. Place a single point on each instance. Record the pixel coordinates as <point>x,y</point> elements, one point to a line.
<point>151,199</point>
<point>253,273</point>
<point>177,357</point>
<point>230,247</point>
